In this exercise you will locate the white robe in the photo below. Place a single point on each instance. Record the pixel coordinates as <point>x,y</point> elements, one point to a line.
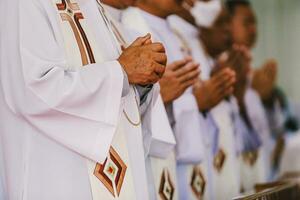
<point>221,114</point>
<point>184,30</point>
<point>2,196</point>
<point>187,129</point>
<point>57,116</point>
<point>259,172</point>
<point>153,103</point>
<point>160,140</point>
<point>290,161</point>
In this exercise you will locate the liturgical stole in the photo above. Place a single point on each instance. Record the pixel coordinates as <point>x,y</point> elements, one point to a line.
<point>113,178</point>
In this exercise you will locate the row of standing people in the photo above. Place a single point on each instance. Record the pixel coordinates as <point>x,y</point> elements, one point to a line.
<point>200,135</point>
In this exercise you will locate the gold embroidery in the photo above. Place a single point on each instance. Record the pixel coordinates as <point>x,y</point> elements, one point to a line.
<point>128,118</point>
<point>112,172</point>
<point>219,160</point>
<point>198,183</point>
<point>166,189</point>
<point>70,12</point>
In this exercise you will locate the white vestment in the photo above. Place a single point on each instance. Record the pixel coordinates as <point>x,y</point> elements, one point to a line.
<point>187,129</point>
<point>152,104</point>
<point>60,115</point>
<point>258,172</point>
<point>189,150</point>
<point>1,174</point>
<point>225,161</point>
<point>290,161</point>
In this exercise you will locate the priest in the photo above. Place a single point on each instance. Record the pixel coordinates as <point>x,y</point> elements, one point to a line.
<point>67,94</point>
<point>151,17</point>
<point>244,32</point>
<point>207,34</point>
<point>188,133</point>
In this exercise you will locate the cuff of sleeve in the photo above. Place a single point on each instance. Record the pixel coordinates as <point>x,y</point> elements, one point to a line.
<point>126,86</point>
<point>114,92</point>
<point>143,92</point>
<point>103,144</point>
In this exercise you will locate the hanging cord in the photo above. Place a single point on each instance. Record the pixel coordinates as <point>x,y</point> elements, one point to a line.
<point>119,41</point>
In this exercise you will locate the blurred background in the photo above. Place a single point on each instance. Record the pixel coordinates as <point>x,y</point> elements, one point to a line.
<point>279,32</point>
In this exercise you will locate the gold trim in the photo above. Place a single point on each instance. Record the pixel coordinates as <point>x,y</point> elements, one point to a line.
<point>127,116</point>
<point>66,17</point>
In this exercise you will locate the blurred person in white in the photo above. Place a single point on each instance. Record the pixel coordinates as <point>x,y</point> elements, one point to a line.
<point>280,113</point>
<point>215,38</point>
<point>207,38</point>
<point>188,129</point>
<point>212,93</point>
<point>244,32</point>
<point>68,99</point>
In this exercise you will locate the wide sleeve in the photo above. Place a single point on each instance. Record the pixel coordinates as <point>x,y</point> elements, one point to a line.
<point>188,130</point>
<point>158,136</point>
<point>79,107</point>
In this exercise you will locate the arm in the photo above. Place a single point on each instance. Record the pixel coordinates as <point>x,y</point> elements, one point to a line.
<point>78,108</point>
<point>188,130</point>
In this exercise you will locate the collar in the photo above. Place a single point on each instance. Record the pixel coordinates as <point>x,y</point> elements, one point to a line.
<point>154,21</point>
<point>184,26</point>
<point>115,13</point>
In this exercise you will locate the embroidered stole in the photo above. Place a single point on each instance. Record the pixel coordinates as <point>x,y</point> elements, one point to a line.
<point>226,161</point>
<point>163,169</point>
<point>113,178</point>
<point>197,176</point>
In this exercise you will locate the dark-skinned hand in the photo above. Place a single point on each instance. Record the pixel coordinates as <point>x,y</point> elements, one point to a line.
<point>264,79</point>
<point>178,77</point>
<point>211,92</point>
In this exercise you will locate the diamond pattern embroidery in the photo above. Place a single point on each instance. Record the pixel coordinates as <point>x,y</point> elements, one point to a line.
<point>166,189</point>
<point>198,183</point>
<point>219,160</point>
<point>250,157</point>
<point>112,172</point>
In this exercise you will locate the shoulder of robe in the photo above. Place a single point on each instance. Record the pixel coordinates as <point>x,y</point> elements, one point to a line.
<point>37,4</point>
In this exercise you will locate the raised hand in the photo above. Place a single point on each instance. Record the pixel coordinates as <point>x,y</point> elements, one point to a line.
<point>211,92</point>
<point>264,79</point>
<point>187,4</point>
<point>143,61</point>
<point>238,59</point>
<point>177,78</point>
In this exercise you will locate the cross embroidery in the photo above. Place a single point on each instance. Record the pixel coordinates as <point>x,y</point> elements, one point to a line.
<point>70,12</point>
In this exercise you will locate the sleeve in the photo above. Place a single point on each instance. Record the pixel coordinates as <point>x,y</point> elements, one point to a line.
<point>145,97</point>
<point>158,136</point>
<point>2,191</point>
<point>188,130</point>
<point>126,85</point>
<point>143,92</point>
<point>78,108</point>
<point>257,114</point>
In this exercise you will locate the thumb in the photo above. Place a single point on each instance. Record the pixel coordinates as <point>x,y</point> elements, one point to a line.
<point>141,40</point>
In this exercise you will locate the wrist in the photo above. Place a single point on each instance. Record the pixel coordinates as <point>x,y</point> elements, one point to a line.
<point>166,99</point>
